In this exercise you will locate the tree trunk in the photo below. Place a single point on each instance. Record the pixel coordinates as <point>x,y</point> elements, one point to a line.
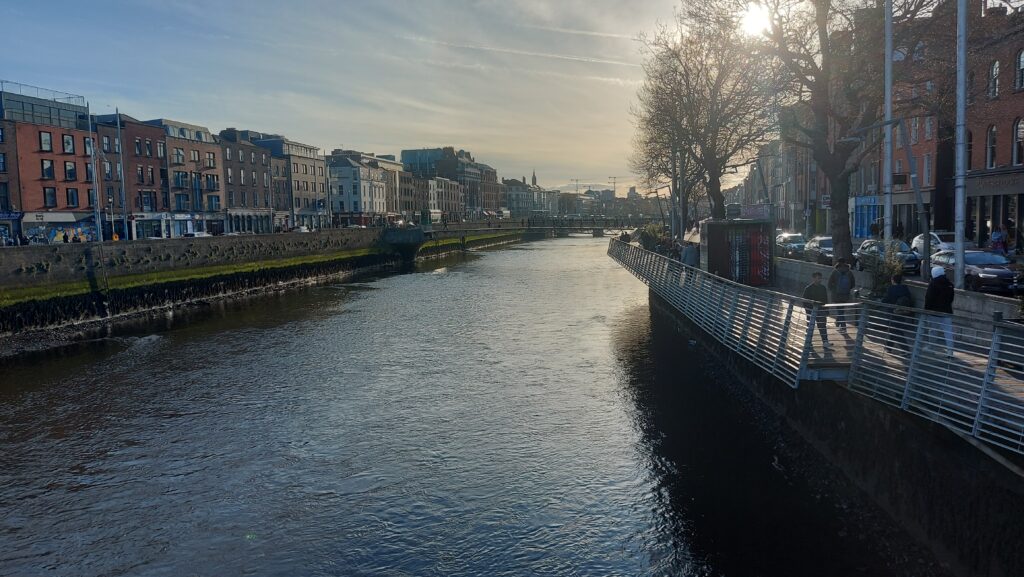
<point>839,185</point>
<point>715,195</point>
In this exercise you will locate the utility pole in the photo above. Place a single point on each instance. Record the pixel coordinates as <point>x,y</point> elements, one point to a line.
<point>120,160</point>
<point>959,187</point>
<point>95,179</point>
<point>887,154</point>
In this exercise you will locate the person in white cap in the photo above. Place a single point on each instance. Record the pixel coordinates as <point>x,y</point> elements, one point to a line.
<point>939,298</point>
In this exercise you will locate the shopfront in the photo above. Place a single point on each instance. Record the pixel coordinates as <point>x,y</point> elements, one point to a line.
<point>992,200</point>
<point>10,227</point>
<point>866,212</point>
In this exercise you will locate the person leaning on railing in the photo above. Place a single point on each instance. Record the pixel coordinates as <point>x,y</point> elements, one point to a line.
<point>816,297</point>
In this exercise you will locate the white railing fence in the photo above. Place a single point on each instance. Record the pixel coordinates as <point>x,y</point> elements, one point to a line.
<point>967,374</point>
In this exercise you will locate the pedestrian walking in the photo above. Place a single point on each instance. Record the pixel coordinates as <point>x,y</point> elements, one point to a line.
<point>815,298</point>
<point>939,298</point>
<point>691,256</point>
<point>898,294</point>
<point>66,238</point>
<point>840,285</point>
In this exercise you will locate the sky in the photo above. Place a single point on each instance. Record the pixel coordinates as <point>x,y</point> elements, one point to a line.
<point>522,84</point>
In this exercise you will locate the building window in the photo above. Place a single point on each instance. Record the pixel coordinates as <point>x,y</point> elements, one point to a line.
<point>213,203</point>
<point>914,126</point>
<point>106,144</point>
<point>227,155</point>
<point>929,127</point>
<point>138,146</point>
<point>928,169</point>
<point>181,202</point>
<point>193,155</point>
<point>72,197</point>
<point>970,149</point>
<point>110,196</point>
<point>266,179</point>
<point>49,197</point>
<point>106,170</point>
<point>89,175</point>
<point>231,176</point>
<point>149,175</point>
<point>241,155</point>
<point>211,160</point>
<point>3,162</point>
<point>45,142</point>
<point>88,145</point>
<point>321,171</point>
<point>1018,142</point>
<point>252,158</point>
<point>2,135</point>
<point>139,175</point>
<point>255,198</point>
<point>990,147</point>
<point>242,197</point>
<point>179,156</point>
<point>47,169</point>
<point>160,149</point>
<point>305,169</point>
<point>254,181</point>
<point>68,143</point>
<point>295,167</point>
<point>263,156</point>
<point>149,148</point>
<point>1019,75</point>
<point>70,171</point>
<point>993,80</point>
<point>117,144</point>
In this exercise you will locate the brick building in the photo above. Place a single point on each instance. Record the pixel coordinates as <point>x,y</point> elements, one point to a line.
<point>995,123</point>
<point>306,202</point>
<point>193,185</point>
<point>247,183</point>
<point>142,149</point>
<point>10,193</point>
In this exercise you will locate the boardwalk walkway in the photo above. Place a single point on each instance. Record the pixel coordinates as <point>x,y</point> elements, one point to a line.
<point>898,357</point>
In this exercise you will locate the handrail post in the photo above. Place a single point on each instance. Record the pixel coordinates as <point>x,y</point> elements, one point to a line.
<point>914,360</point>
<point>745,329</point>
<point>732,317</point>
<point>858,344</point>
<point>784,338</point>
<point>808,337</point>
<point>990,373</point>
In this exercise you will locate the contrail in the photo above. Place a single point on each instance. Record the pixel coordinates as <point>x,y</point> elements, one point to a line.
<point>569,57</point>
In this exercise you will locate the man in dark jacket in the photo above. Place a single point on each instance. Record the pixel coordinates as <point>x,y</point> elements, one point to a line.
<point>816,297</point>
<point>939,298</point>
<point>898,294</point>
<point>840,285</point>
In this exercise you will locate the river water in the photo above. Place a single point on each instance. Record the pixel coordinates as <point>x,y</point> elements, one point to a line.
<point>513,412</point>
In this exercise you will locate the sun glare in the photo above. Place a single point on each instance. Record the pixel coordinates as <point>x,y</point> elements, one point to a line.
<point>755,19</point>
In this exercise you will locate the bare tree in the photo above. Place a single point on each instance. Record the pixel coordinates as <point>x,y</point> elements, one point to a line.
<point>711,91</point>
<point>833,52</point>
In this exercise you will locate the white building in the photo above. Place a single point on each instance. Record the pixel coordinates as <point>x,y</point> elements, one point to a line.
<point>358,191</point>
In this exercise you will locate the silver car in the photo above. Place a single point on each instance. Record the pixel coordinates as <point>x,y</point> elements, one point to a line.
<point>941,240</point>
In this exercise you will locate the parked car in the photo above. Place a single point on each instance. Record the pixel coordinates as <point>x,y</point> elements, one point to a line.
<point>300,228</point>
<point>983,270</point>
<point>872,252</point>
<point>790,245</point>
<point>197,234</point>
<point>941,240</point>
<point>355,226</point>
<point>819,250</point>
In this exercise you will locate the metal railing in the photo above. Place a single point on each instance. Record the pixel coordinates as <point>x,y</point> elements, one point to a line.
<point>965,373</point>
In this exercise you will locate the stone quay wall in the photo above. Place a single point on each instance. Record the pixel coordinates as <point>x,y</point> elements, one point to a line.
<point>43,265</point>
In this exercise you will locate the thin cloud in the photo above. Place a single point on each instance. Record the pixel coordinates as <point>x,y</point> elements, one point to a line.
<point>500,50</point>
<point>596,33</point>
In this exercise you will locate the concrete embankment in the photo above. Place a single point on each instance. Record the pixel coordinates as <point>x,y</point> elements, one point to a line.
<point>963,503</point>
